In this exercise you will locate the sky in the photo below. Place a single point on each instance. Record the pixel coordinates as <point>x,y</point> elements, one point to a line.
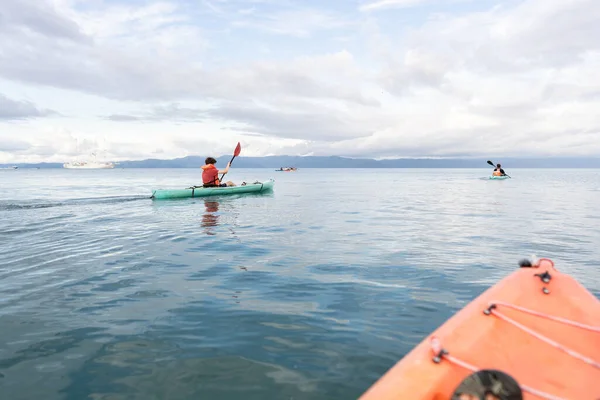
<point>137,79</point>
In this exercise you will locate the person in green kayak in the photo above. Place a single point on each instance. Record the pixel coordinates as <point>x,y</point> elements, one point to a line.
<point>498,171</point>
<point>210,174</point>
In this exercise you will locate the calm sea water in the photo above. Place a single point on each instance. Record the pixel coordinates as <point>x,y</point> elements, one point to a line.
<point>310,292</point>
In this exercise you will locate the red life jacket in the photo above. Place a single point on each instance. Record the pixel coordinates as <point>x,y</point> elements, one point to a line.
<point>210,174</point>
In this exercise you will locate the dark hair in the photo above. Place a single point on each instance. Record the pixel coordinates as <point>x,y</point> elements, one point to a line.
<point>498,165</point>
<point>210,160</point>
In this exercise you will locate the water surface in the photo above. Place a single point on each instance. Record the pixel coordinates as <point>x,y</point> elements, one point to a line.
<point>310,292</point>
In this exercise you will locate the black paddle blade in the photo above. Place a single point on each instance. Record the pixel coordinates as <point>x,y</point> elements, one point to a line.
<point>491,163</point>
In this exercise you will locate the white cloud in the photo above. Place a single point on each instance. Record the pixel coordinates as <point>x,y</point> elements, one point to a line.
<point>18,110</point>
<point>166,77</point>
<point>383,4</point>
<point>299,23</point>
<point>11,145</point>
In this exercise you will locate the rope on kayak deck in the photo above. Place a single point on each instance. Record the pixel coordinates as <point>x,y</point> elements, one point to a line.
<point>441,353</point>
<point>572,353</point>
<point>550,317</point>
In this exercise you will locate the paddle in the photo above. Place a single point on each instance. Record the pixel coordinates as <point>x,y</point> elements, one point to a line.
<point>494,165</point>
<point>236,153</point>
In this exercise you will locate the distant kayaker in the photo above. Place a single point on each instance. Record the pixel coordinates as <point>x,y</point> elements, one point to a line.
<point>210,174</point>
<point>498,171</point>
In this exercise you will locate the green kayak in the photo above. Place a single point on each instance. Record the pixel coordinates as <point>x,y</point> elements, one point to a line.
<point>199,191</point>
<point>499,178</point>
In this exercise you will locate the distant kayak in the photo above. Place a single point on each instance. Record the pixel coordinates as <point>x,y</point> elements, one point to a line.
<point>499,178</point>
<point>535,334</point>
<point>199,191</point>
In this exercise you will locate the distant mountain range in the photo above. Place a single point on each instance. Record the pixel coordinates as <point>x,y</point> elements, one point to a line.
<point>344,162</point>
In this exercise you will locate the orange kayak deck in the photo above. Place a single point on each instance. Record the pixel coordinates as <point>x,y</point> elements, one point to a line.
<point>545,335</point>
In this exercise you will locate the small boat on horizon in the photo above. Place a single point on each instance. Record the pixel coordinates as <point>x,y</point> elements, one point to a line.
<point>94,164</point>
<point>88,165</point>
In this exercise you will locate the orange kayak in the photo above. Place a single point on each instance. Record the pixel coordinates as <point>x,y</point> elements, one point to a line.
<point>537,330</point>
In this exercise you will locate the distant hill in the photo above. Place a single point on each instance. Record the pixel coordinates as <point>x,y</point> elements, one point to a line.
<point>344,162</point>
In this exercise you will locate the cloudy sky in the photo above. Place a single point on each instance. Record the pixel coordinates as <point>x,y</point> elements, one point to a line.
<point>134,79</point>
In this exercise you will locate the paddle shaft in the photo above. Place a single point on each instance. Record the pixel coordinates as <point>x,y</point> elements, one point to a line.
<point>232,158</point>
<point>236,153</point>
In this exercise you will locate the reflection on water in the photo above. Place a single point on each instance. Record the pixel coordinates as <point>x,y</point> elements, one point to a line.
<point>210,218</point>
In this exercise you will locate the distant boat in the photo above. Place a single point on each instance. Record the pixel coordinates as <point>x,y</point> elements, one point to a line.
<point>88,165</point>
<point>11,168</point>
<point>287,169</point>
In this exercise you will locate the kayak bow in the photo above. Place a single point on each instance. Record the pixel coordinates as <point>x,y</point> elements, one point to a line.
<point>538,326</point>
